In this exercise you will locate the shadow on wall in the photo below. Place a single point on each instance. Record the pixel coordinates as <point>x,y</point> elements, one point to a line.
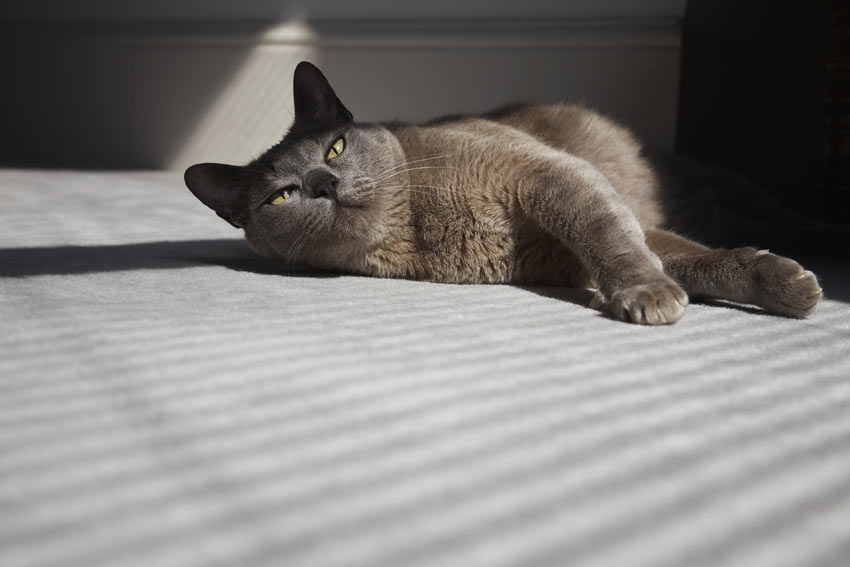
<point>166,95</point>
<point>125,96</point>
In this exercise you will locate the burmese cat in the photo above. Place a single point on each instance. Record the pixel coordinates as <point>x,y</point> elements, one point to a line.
<point>537,194</point>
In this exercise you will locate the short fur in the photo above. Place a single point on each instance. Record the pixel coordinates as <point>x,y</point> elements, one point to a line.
<point>536,194</point>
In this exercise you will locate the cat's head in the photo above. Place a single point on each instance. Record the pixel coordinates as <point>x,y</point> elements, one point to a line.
<point>313,197</point>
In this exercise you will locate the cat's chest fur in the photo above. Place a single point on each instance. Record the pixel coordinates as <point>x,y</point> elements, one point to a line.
<point>465,220</point>
<point>453,244</point>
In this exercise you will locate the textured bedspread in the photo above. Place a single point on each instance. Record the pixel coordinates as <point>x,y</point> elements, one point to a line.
<point>167,399</point>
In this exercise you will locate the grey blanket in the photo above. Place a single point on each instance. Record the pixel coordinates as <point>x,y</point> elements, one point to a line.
<point>168,398</point>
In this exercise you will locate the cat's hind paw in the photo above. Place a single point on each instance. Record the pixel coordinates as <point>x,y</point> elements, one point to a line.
<point>782,286</point>
<point>656,303</point>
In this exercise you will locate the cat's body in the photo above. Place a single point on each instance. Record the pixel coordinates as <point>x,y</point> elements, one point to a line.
<point>538,194</point>
<point>467,216</point>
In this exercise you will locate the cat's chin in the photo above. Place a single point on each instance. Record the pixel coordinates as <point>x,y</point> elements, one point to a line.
<point>349,220</point>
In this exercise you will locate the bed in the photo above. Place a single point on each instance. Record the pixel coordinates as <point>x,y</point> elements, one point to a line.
<point>169,398</point>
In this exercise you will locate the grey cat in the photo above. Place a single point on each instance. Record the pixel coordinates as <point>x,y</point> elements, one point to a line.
<point>535,194</point>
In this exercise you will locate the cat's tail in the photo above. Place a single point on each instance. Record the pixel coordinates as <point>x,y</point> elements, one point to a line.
<point>725,210</point>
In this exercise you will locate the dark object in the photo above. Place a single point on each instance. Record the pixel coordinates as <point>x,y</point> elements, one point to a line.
<point>836,177</point>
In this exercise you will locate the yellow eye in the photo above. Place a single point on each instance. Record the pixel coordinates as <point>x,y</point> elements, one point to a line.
<point>336,149</point>
<point>278,198</point>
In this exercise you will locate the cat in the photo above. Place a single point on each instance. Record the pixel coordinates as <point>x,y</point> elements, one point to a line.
<point>551,194</point>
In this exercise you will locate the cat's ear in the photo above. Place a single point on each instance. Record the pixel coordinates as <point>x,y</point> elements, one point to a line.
<point>221,188</point>
<point>316,103</point>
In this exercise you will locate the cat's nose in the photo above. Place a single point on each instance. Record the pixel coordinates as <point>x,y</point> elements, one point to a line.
<point>321,183</point>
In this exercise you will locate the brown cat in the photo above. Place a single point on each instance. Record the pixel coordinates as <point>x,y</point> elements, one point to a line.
<point>537,194</point>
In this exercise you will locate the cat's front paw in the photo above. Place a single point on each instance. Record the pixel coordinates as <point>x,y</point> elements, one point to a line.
<point>782,286</point>
<point>659,302</point>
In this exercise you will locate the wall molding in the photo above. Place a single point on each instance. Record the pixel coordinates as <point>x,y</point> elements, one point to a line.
<point>377,33</point>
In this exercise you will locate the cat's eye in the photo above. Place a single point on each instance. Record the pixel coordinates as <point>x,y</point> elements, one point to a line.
<point>278,198</point>
<point>336,149</point>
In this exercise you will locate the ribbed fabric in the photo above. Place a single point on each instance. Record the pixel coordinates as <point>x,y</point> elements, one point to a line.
<point>165,399</point>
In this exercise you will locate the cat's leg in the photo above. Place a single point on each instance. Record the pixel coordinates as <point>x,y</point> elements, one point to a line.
<point>743,275</point>
<point>576,203</point>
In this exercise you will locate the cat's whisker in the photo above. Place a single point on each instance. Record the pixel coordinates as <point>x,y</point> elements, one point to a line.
<point>405,164</point>
<point>392,170</point>
<point>302,244</point>
<point>289,261</point>
<point>423,191</point>
<point>295,249</point>
<point>305,236</point>
<point>411,169</point>
<point>244,148</point>
<point>394,173</point>
<point>420,189</point>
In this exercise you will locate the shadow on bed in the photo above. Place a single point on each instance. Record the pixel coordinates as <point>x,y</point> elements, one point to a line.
<point>60,260</point>
<point>235,254</point>
<point>833,275</point>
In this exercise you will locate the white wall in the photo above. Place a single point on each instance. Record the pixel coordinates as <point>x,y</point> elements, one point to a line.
<point>150,89</point>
